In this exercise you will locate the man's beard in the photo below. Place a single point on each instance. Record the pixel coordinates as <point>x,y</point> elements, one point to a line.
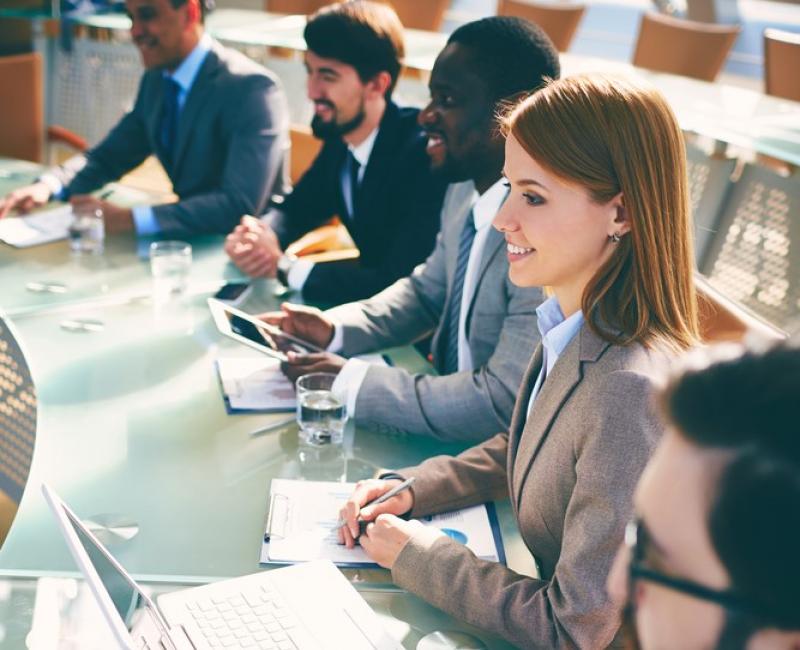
<point>328,130</point>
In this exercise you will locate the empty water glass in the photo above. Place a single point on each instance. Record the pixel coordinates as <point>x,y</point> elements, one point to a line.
<point>170,264</point>
<point>87,230</point>
<point>320,414</point>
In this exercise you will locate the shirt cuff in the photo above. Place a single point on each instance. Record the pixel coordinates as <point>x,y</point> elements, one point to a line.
<point>337,342</point>
<point>144,220</point>
<point>348,383</point>
<point>298,274</point>
<point>55,186</point>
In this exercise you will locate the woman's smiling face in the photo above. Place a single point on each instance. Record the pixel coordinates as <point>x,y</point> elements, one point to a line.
<point>556,234</point>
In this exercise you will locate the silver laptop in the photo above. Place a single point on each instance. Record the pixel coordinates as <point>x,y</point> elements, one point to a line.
<point>307,606</point>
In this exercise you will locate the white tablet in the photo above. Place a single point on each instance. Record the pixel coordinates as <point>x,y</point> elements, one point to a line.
<point>257,334</point>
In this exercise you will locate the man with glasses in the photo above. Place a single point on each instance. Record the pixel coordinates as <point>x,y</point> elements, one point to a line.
<point>712,559</point>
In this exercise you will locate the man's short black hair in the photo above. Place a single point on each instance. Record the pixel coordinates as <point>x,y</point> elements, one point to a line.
<point>206,6</point>
<point>366,35</point>
<point>512,55</point>
<point>750,407</point>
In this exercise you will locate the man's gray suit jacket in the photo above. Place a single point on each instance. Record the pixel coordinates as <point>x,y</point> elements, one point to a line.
<point>230,150</point>
<point>500,329</point>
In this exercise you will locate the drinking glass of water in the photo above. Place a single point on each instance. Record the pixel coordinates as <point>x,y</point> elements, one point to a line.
<point>87,231</point>
<point>320,414</point>
<point>170,263</point>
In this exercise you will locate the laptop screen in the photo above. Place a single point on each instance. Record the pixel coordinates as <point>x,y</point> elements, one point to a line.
<point>128,600</point>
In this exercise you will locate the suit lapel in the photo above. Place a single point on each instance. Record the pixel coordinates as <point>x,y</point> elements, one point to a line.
<point>154,117</point>
<point>555,391</point>
<point>379,162</point>
<point>520,413</point>
<point>567,373</point>
<point>195,101</point>
<point>492,247</point>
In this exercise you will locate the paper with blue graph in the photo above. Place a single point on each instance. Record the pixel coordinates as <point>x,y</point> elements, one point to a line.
<point>301,526</point>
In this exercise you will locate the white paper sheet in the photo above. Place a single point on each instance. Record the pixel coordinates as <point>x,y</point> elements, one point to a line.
<point>304,514</point>
<point>255,384</point>
<point>37,228</point>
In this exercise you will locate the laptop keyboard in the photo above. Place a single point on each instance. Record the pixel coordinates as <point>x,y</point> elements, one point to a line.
<point>257,619</point>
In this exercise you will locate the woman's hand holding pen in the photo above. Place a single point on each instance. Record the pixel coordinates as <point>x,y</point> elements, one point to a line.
<point>386,534</point>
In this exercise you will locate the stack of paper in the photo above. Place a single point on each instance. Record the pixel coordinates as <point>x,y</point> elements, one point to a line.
<point>38,228</point>
<point>255,384</point>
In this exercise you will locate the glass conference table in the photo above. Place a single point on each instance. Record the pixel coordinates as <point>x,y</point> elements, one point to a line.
<point>134,435</point>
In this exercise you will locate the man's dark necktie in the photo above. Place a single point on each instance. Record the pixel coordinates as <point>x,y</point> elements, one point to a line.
<point>169,118</point>
<point>352,170</point>
<point>450,357</point>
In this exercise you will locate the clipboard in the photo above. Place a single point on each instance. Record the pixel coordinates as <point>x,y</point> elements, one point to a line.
<point>232,377</point>
<point>301,526</point>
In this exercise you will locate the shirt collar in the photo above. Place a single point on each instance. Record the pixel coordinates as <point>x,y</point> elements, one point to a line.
<point>488,204</point>
<point>556,331</point>
<point>363,151</point>
<point>185,74</point>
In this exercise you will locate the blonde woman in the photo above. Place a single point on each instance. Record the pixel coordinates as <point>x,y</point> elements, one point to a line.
<point>597,211</point>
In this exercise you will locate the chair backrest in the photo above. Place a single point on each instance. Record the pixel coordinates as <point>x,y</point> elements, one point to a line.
<point>305,148</point>
<point>420,14</point>
<point>17,426</point>
<point>294,6</point>
<point>754,255</point>
<point>683,47</point>
<point>782,64</point>
<point>414,14</point>
<point>722,319</point>
<point>559,21</point>
<point>21,96</point>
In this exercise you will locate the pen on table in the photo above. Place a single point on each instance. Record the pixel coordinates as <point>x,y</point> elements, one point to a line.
<point>272,427</point>
<point>397,489</point>
<point>103,196</point>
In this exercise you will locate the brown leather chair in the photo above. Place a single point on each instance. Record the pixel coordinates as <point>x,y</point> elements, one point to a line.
<point>420,14</point>
<point>414,14</point>
<point>22,130</point>
<point>782,64</point>
<point>683,47</point>
<point>294,6</point>
<point>722,319</point>
<point>559,21</point>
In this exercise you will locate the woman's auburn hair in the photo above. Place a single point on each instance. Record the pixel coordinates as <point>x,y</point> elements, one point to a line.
<point>613,135</point>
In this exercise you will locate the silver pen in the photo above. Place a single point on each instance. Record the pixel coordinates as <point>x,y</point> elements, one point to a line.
<point>384,497</point>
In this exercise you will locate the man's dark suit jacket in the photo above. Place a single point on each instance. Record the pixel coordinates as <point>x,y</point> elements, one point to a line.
<point>396,214</point>
<point>230,149</point>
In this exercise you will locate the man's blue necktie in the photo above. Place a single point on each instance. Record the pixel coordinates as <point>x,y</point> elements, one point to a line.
<point>169,118</point>
<point>452,315</point>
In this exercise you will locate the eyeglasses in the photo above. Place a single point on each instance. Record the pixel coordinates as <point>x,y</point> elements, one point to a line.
<point>636,540</point>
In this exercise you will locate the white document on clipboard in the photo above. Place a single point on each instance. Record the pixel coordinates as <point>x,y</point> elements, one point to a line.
<point>301,526</point>
<point>255,384</point>
<point>38,228</point>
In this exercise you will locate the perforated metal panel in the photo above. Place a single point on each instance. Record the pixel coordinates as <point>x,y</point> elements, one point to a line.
<point>709,185</point>
<point>17,416</point>
<point>755,256</point>
<point>96,83</point>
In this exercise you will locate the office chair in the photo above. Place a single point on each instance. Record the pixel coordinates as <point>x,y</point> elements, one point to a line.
<point>683,47</point>
<point>782,64</point>
<point>17,426</point>
<point>558,20</point>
